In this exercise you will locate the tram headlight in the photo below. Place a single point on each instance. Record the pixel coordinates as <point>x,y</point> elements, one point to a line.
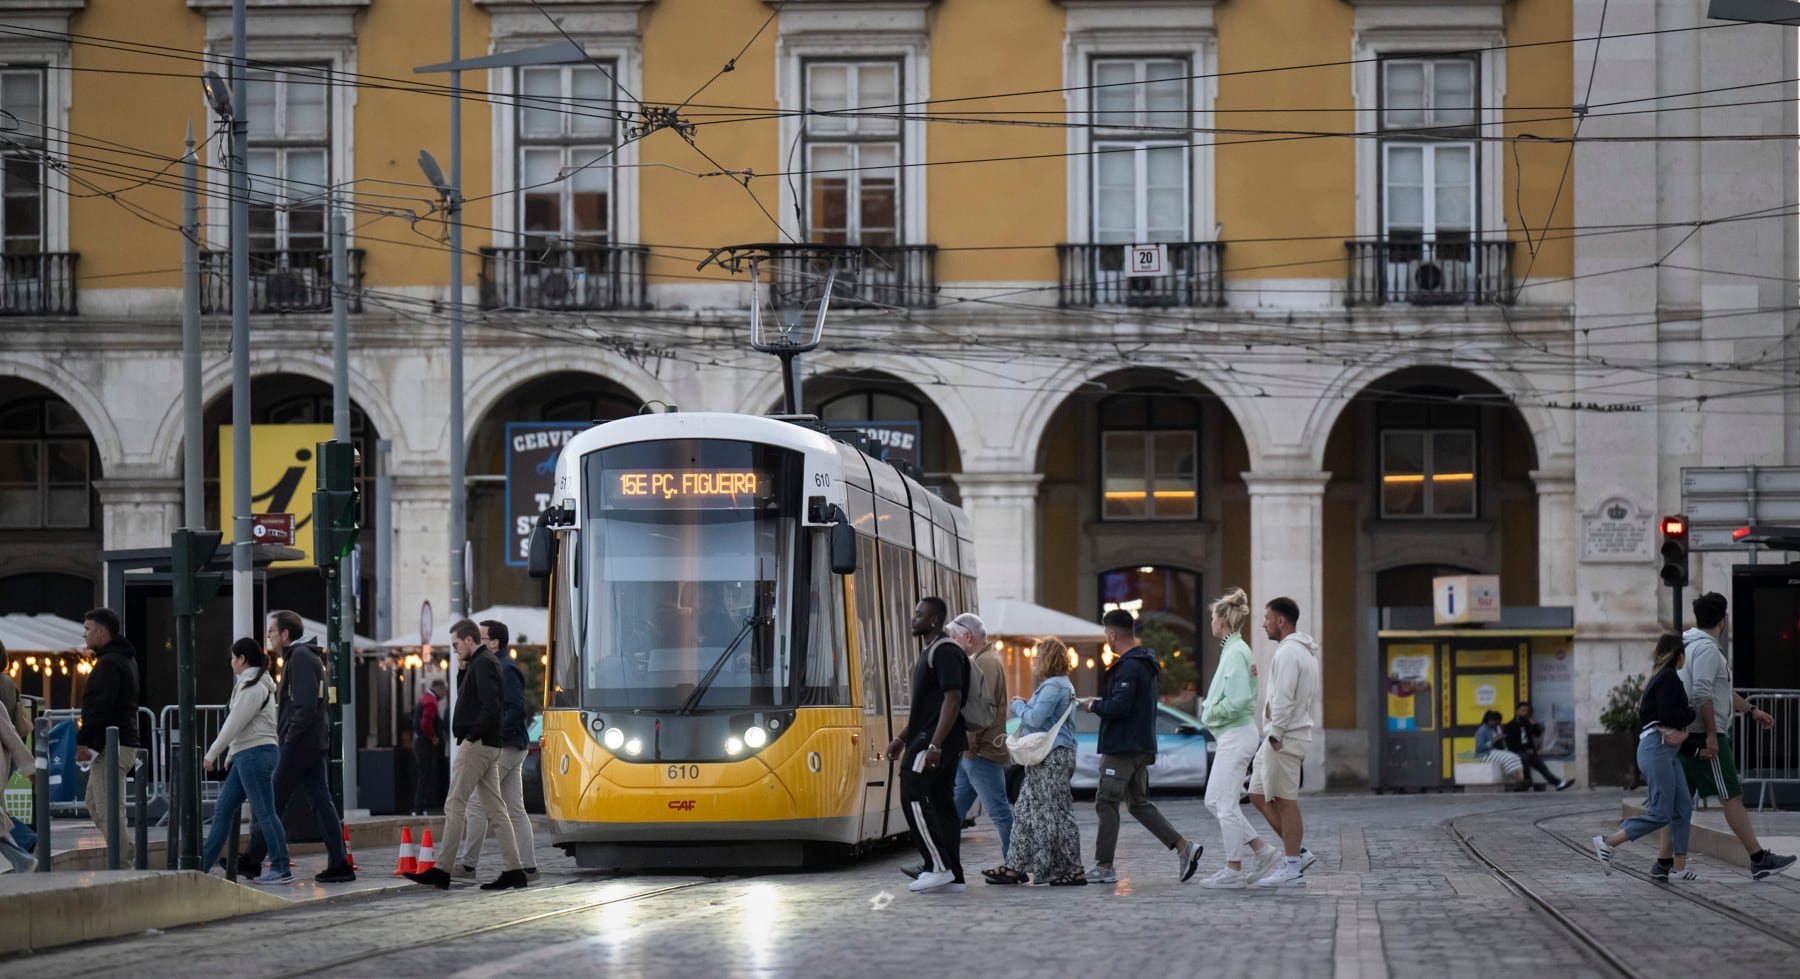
<point>756,737</point>
<point>734,747</point>
<point>613,738</point>
<point>634,747</point>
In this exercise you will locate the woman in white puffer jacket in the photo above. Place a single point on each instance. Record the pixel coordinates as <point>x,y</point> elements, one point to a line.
<point>247,740</point>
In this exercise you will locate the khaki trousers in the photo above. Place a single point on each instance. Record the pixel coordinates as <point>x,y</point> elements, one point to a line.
<point>476,772</point>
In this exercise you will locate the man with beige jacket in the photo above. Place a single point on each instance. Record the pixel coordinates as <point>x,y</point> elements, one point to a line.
<point>1287,732</point>
<point>983,771</point>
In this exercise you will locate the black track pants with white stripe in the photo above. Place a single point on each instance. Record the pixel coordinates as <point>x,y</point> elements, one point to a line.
<point>929,800</point>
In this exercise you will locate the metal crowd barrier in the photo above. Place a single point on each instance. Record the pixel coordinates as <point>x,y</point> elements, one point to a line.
<point>208,719</point>
<point>1766,759</point>
<point>150,767</point>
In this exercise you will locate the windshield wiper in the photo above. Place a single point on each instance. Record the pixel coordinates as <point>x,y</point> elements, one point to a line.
<point>693,701</point>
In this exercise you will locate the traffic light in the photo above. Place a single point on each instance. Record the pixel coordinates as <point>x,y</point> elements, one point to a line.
<point>1675,551</point>
<point>335,504</point>
<point>190,551</point>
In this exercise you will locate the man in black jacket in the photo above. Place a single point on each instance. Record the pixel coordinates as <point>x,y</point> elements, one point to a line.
<point>304,722</point>
<point>111,700</point>
<point>1523,735</point>
<point>478,714</point>
<point>1127,709</point>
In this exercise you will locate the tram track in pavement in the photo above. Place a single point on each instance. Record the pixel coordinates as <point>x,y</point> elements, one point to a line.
<point>1590,943</point>
<point>438,938</point>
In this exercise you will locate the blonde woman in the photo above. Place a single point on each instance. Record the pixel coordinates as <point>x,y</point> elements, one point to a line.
<point>1230,714</point>
<point>1046,844</point>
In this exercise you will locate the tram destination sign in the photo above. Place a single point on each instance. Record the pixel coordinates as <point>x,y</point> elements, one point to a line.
<point>686,489</point>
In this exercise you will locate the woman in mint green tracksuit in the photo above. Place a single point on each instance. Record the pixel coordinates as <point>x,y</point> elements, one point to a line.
<point>1230,714</point>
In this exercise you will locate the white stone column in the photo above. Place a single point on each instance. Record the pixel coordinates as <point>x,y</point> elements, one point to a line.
<point>1287,527</point>
<point>1003,516</point>
<point>1559,536</point>
<point>138,512</point>
<point>421,552</point>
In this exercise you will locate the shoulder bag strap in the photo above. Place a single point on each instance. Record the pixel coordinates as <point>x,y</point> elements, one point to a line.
<point>1057,729</point>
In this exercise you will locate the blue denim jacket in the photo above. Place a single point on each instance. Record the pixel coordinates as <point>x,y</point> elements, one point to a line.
<point>1047,704</point>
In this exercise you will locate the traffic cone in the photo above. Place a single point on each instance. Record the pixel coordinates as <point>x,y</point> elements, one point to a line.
<point>349,858</point>
<point>427,859</point>
<point>409,854</point>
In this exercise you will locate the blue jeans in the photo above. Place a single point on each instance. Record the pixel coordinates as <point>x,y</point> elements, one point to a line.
<point>978,777</point>
<point>252,776</point>
<point>302,769</point>
<point>1669,803</point>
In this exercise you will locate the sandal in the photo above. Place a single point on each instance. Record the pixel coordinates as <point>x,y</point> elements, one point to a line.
<point>1074,879</point>
<point>1003,875</point>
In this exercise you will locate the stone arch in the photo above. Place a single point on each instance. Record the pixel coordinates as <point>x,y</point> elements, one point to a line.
<point>79,396</point>
<point>1552,436</point>
<point>492,386</point>
<point>216,381</point>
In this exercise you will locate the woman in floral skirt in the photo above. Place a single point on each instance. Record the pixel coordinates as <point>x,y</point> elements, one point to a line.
<point>1046,844</point>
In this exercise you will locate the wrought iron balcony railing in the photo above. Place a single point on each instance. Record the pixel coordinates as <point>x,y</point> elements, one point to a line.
<point>565,276</point>
<point>1095,275</point>
<point>1429,273</point>
<point>38,284</point>
<point>282,280</point>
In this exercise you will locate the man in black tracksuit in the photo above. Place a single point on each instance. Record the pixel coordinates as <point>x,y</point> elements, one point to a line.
<point>478,716</point>
<point>1127,709</point>
<point>110,700</point>
<point>302,706</point>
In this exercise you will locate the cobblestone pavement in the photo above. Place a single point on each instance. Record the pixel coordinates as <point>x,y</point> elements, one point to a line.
<point>1394,894</point>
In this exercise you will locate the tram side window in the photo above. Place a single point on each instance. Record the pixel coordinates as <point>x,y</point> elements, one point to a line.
<point>827,658</point>
<point>897,601</point>
<point>864,587</point>
<point>565,644</point>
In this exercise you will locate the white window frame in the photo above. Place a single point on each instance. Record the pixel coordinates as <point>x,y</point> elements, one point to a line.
<point>321,35</point>
<point>1148,437</point>
<point>878,30</point>
<point>853,141</point>
<point>567,144</point>
<point>1428,226</point>
<point>1100,30</point>
<point>1428,444</point>
<point>610,37</point>
<point>279,144</point>
<point>53,58</point>
<point>1411,28</point>
<point>1141,198</point>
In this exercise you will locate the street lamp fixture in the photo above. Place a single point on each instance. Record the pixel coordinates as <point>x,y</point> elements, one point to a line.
<point>218,94</point>
<point>434,175</point>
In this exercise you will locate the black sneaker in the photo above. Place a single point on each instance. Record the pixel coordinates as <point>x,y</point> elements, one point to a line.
<point>508,880</point>
<point>340,874</point>
<point>1565,783</point>
<point>1659,871</point>
<point>1770,865</point>
<point>913,870</point>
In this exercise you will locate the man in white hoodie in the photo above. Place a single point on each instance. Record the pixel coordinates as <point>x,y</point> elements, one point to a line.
<point>1287,730</point>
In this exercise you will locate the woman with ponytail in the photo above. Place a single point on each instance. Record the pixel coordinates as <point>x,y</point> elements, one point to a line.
<point>1230,714</point>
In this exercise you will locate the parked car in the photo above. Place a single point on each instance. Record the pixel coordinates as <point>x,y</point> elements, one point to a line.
<point>532,771</point>
<point>1184,751</point>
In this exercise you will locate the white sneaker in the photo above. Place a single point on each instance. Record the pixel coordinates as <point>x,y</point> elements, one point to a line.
<point>932,880</point>
<point>1283,876</point>
<point>1102,875</point>
<point>1603,853</point>
<point>1307,859</point>
<point>1684,873</point>
<point>1228,879</point>
<point>1266,859</point>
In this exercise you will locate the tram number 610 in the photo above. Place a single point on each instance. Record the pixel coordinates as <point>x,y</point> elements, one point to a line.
<point>679,773</point>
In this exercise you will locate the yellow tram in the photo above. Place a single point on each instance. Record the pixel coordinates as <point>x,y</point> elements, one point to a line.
<point>729,652</point>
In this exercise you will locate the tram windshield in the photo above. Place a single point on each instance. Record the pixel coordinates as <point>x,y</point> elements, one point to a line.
<point>683,548</point>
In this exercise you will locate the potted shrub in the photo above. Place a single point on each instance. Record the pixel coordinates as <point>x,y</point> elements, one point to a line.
<point>1612,756</point>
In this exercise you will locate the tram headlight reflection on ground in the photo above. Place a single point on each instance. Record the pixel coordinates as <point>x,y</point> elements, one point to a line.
<point>613,738</point>
<point>756,737</point>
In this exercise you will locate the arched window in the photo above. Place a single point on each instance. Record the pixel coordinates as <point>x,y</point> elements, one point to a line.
<point>47,466</point>
<point>1149,456</point>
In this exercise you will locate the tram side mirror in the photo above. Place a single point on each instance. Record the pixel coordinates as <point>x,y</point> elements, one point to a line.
<point>540,555</point>
<point>843,543</point>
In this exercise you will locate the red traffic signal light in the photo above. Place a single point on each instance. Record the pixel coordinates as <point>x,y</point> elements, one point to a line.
<point>1674,526</point>
<point>1675,551</point>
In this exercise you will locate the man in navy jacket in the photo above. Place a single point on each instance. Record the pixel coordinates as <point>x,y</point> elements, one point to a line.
<point>1127,709</point>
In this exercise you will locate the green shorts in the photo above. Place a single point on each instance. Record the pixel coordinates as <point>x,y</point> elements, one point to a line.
<point>1711,776</point>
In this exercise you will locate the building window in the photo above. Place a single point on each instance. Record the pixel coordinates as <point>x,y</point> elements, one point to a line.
<point>1142,128</point>
<point>1428,473</point>
<point>21,176</point>
<point>46,466</point>
<point>852,159</point>
<point>290,157</point>
<point>1429,113</point>
<point>566,131</point>
<point>1149,451</point>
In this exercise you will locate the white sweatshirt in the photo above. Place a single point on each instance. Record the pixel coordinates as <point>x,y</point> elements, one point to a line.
<point>251,721</point>
<point>1293,686</point>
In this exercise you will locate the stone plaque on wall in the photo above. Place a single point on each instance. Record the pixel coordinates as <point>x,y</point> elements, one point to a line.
<point>1617,534</point>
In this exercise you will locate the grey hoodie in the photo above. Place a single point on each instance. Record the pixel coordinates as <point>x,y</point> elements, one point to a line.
<point>1707,676</point>
<point>1293,687</point>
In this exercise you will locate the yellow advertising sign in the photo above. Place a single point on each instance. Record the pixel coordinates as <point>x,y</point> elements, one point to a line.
<point>283,475</point>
